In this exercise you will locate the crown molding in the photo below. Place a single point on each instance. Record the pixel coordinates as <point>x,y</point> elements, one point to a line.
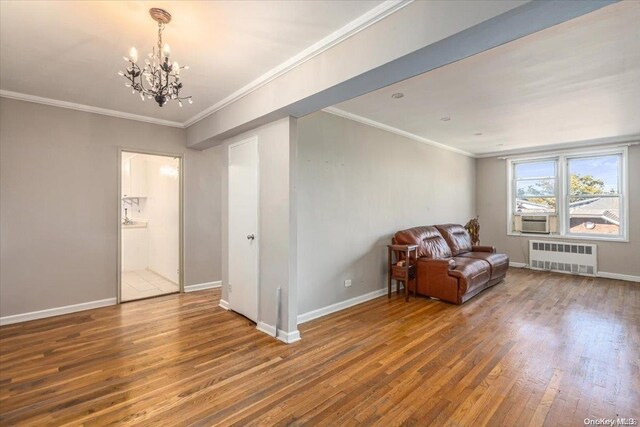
<point>87,108</point>
<point>621,140</point>
<point>354,27</point>
<point>373,123</point>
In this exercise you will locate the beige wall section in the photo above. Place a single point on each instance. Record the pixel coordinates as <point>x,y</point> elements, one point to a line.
<point>357,185</point>
<point>491,190</point>
<point>59,207</point>
<point>276,153</point>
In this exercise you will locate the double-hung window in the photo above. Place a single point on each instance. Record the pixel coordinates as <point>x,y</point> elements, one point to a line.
<point>582,194</point>
<point>594,200</point>
<point>536,185</point>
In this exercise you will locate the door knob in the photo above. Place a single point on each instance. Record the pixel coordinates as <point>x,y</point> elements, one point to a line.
<point>251,237</point>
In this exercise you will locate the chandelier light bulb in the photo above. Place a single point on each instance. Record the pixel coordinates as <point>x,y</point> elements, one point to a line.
<point>190,101</point>
<point>120,73</point>
<point>142,96</point>
<point>133,54</point>
<point>166,50</point>
<point>176,68</point>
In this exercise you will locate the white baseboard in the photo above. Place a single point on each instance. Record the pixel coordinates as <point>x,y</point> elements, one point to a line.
<point>517,264</point>
<point>618,276</point>
<point>286,337</point>
<point>224,304</point>
<point>56,311</point>
<point>305,317</point>
<point>289,337</point>
<point>266,328</point>
<point>202,286</point>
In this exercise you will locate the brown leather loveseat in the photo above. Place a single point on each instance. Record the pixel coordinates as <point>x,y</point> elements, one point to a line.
<point>449,267</point>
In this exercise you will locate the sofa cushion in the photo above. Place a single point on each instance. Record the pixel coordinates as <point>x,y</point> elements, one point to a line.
<point>430,242</point>
<point>499,263</point>
<point>457,238</point>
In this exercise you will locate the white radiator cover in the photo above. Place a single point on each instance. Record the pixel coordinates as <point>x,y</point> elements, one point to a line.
<point>563,257</point>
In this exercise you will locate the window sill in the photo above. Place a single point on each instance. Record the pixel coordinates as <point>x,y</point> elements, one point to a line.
<point>619,239</point>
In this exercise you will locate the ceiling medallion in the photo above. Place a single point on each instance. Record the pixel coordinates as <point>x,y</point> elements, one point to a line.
<point>158,78</point>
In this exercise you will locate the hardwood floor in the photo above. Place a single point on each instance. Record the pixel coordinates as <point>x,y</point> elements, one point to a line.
<point>539,349</point>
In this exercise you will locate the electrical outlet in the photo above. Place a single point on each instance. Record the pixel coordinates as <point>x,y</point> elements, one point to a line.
<point>347,283</point>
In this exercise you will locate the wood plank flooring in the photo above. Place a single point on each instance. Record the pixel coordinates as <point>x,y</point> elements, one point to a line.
<point>538,349</point>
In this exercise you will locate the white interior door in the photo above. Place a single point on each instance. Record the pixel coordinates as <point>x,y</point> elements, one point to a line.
<point>243,228</point>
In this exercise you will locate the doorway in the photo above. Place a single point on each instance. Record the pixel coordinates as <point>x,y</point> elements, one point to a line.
<point>243,228</point>
<point>150,225</point>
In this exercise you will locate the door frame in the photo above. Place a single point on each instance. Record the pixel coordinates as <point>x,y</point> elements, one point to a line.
<point>180,158</point>
<point>232,145</point>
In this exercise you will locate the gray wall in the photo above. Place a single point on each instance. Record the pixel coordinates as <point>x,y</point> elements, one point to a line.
<point>357,185</point>
<point>59,207</point>
<point>491,190</point>
<point>276,237</point>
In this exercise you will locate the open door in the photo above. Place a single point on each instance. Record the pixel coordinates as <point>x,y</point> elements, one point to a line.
<point>150,225</point>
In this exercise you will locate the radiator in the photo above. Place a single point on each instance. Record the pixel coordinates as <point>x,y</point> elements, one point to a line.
<point>574,258</point>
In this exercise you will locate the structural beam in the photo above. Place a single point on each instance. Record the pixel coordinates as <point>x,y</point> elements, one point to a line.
<point>416,39</point>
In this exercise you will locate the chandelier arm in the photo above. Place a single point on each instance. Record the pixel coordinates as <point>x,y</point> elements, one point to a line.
<point>166,83</point>
<point>140,83</point>
<point>132,79</point>
<point>147,92</point>
<point>152,74</point>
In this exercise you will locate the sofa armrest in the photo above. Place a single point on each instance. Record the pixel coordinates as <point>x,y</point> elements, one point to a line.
<point>436,278</point>
<point>475,248</point>
<point>396,247</point>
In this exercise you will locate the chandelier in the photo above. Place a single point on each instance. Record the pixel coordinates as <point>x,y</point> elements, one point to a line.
<point>158,78</point>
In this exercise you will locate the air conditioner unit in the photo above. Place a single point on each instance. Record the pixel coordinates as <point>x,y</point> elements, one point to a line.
<point>539,224</point>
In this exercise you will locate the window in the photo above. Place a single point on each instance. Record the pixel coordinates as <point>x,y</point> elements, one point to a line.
<point>594,194</point>
<point>535,184</point>
<point>580,194</point>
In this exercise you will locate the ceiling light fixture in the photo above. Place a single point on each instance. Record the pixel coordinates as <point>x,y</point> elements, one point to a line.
<point>397,95</point>
<point>478,133</point>
<point>445,119</point>
<point>162,77</point>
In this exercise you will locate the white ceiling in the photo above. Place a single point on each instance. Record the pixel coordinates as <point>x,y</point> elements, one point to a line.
<point>72,50</point>
<point>577,81</point>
